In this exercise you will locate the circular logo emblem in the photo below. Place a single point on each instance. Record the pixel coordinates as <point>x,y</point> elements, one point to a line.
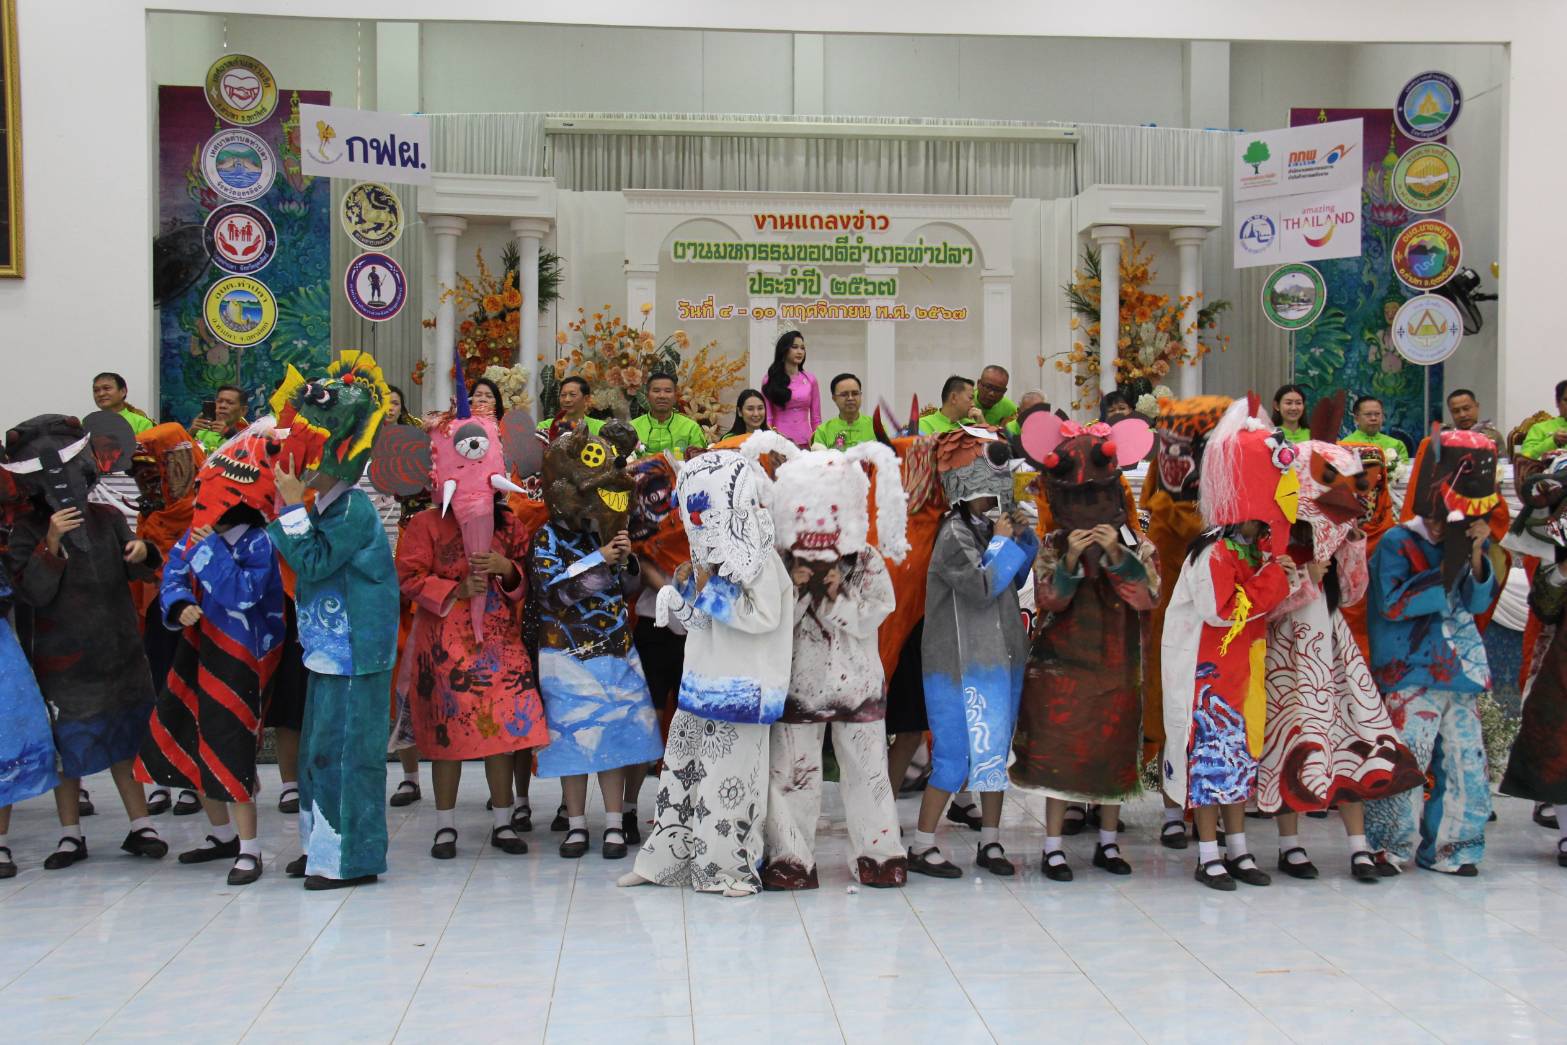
<point>240,311</point>
<point>1428,106</point>
<point>376,286</point>
<point>240,239</point>
<point>240,90</point>
<point>1427,329</point>
<point>1426,178</point>
<point>1293,296</point>
<point>238,165</point>
<point>1256,233</point>
<point>1426,254</point>
<point>372,215</point>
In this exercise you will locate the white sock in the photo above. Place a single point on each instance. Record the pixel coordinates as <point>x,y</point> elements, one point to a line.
<point>1235,845</point>
<point>70,830</point>
<point>576,823</point>
<point>1107,838</point>
<point>1172,816</point>
<point>446,818</point>
<point>925,845</point>
<point>1052,844</point>
<point>1358,844</point>
<point>141,823</point>
<point>250,847</point>
<point>614,821</point>
<point>502,816</point>
<point>224,832</point>
<point>1207,852</point>
<point>411,778</point>
<point>989,836</point>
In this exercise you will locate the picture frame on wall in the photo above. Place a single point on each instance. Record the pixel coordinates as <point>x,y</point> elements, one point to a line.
<point>10,145</point>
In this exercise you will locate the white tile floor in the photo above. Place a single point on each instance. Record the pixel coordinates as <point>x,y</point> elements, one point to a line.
<point>535,948</point>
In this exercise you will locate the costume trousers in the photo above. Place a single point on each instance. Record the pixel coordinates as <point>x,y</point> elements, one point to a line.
<point>342,775</point>
<point>794,802</point>
<point>1445,828</point>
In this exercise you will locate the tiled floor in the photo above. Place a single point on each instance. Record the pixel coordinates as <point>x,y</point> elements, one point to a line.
<point>535,948</point>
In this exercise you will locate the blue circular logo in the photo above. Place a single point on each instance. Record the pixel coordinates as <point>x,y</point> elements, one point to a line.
<point>1257,233</point>
<point>1428,106</point>
<point>375,286</point>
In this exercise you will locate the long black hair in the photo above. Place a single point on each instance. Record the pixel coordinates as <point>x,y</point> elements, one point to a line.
<point>776,387</point>
<point>1283,391</point>
<point>398,420</point>
<point>739,425</point>
<point>495,390</point>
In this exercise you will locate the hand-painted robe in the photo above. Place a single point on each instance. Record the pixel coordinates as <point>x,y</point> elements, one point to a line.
<point>974,651</point>
<point>346,595</point>
<point>1328,736</point>
<point>596,699</point>
<point>1499,520</point>
<point>1172,526</point>
<point>1080,726</point>
<point>1215,645</point>
<point>207,723</point>
<point>1537,768</point>
<point>87,649</point>
<point>1378,521</point>
<point>26,746</point>
<point>467,699</point>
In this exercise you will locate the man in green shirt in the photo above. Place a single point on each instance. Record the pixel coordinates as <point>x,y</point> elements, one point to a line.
<point>1368,429</point>
<point>661,428</point>
<point>576,395</point>
<point>229,406</point>
<point>957,408</point>
<point>850,427</point>
<point>1549,435</point>
<point>991,395</point>
<point>108,392</point>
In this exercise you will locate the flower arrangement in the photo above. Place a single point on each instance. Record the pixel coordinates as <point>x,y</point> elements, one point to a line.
<point>1150,337</point>
<point>702,382</point>
<point>491,333</point>
<point>513,383</point>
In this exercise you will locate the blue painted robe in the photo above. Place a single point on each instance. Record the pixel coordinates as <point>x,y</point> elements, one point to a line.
<point>27,765</point>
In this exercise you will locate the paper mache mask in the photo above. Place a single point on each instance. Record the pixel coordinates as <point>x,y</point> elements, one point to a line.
<point>1248,473</point>
<point>586,485</point>
<point>239,472</point>
<point>972,467</point>
<point>1541,526</point>
<point>164,466</point>
<point>1458,480</point>
<point>720,495</point>
<point>1080,466</point>
<point>331,417</point>
<point>59,458</point>
<point>1181,430</point>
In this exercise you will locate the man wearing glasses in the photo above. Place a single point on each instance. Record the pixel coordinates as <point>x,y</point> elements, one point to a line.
<point>990,392</point>
<point>850,427</point>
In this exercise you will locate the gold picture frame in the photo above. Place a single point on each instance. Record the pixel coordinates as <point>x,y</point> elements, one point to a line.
<point>10,145</point>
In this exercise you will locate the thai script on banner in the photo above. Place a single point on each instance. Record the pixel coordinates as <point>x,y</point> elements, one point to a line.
<point>859,221</point>
<point>807,283</point>
<point>339,142</point>
<point>841,250</point>
<point>708,308</point>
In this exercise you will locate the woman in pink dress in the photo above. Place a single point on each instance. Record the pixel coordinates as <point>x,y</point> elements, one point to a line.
<point>794,402</point>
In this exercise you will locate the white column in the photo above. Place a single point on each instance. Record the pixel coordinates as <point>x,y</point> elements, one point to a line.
<point>1109,239</point>
<point>996,295</point>
<point>1189,241</point>
<point>530,232</point>
<point>881,350</point>
<point>641,288</point>
<point>438,380</point>
<point>761,334</point>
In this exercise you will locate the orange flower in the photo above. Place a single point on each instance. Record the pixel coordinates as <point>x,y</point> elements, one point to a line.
<point>560,369</point>
<point>492,303</point>
<point>465,327</point>
<point>560,337</point>
<point>512,297</point>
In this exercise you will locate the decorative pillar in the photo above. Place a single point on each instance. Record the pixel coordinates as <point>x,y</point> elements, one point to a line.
<point>1189,241</point>
<point>641,289</point>
<point>996,294</point>
<point>1109,239</point>
<point>438,384</point>
<point>530,233</point>
<point>881,347</point>
<point>761,334</point>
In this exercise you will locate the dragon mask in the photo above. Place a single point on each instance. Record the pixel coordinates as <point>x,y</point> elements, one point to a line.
<point>331,417</point>
<point>239,473</point>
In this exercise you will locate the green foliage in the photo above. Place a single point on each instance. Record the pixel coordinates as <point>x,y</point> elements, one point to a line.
<point>1256,154</point>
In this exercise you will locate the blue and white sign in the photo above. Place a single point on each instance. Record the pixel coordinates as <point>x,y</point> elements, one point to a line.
<point>338,142</point>
<point>375,286</point>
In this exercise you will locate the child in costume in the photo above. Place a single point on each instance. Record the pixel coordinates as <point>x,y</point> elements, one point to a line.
<point>1537,767</point>
<point>1079,734</point>
<point>1328,739</point>
<point>469,681</point>
<point>975,645</point>
<point>346,594</point>
<point>1169,496</point>
<point>72,562</point>
<point>1376,519</point>
<point>222,596</point>
<point>734,599</point>
<point>1215,635</point>
<point>1430,577</point>
<point>580,574</point>
<point>164,466</point>
<point>841,595</point>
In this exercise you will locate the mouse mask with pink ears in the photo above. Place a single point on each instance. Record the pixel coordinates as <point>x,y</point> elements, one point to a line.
<point>464,460</point>
<point>1080,466</point>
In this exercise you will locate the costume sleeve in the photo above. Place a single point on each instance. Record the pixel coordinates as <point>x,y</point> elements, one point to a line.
<point>148,568</point>
<point>1405,593</point>
<point>1476,594</point>
<point>35,571</point>
<point>1353,574</point>
<point>516,550</point>
<point>1548,594</point>
<point>175,592</point>
<point>233,577</point>
<point>1136,578</point>
<point>545,565</point>
<point>316,552</point>
<point>958,560</point>
<point>1236,597</point>
<point>416,576</point>
<point>865,601</point>
<point>1054,584</point>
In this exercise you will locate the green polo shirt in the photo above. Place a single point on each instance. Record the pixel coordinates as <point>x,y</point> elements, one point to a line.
<point>210,441</point>
<point>139,422</point>
<point>594,424</point>
<point>1392,449</point>
<point>1541,438</point>
<point>829,433</point>
<point>936,423</point>
<point>679,434</point>
<point>1295,435</point>
<point>1004,410</point>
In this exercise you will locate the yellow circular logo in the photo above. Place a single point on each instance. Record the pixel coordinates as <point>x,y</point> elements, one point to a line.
<point>240,311</point>
<point>592,455</point>
<point>241,90</point>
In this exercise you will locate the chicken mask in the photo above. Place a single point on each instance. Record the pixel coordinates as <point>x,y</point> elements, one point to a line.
<point>1248,474</point>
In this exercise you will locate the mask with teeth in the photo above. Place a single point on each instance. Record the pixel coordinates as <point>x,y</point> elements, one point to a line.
<point>586,485</point>
<point>239,472</point>
<point>331,418</point>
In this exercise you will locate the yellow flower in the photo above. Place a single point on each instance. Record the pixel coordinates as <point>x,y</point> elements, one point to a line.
<point>647,306</point>
<point>560,338</point>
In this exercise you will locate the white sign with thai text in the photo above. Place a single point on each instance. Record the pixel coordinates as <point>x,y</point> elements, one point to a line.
<point>338,142</point>
<point>1314,157</point>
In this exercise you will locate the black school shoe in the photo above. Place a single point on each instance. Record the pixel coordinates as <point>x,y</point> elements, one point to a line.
<point>445,850</point>
<point>295,868</point>
<point>1252,875</point>
<point>1173,834</point>
<point>522,819</point>
<point>63,858</point>
<point>7,864</point>
<point>507,843</point>
<point>186,804</point>
<point>320,883</point>
<point>1543,818</point>
<point>993,858</point>
<point>919,863</point>
<point>1220,881</point>
<point>159,803</point>
<point>1305,869</point>
<point>575,844</point>
<point>1055,870</point>
<point>406,793</point>
<point>1363,867</point>
<point>560,823</point>
<point>145,843</point>
<point>216,851</point>
<point>288,801</point>
<point>84,806</point>
<point>1073,820</point>
<point>614,844</point>
<point>1114,864</point>
<point>968,816</point>
<point>246,869</point>
<point>633,830</point>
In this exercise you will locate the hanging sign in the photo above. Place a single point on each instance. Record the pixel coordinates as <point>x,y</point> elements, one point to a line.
<point>338,142</point>
<point>1293,296</point>
<point>240,89</point>
<point>375,286</point>
<point>372,215</point>
<point>1309,227</point>
<point>238,165</point>
<point>1428,106</point>
<point>1426,254</point>
<point>240,239</point>
<point>1427,329</point>
<point>240,311</point>
<point>1426,178</point>
<point>1314,157</point>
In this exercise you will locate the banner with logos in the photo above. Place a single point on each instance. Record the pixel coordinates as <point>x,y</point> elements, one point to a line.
<point>1311,227</point>
<point>339,142</point>
<point>1297,194</point>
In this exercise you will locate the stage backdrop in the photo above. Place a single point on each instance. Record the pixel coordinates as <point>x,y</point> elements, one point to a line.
<point>192,363</point>
<point>1350,347</point>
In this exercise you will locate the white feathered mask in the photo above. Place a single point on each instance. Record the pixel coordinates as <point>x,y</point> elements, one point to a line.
<point>819,503</point>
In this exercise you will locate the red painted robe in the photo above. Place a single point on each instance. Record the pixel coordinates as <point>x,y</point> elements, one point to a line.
<point>467,699</point>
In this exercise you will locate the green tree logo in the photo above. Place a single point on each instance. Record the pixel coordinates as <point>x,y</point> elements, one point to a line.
<point>1256,154</point>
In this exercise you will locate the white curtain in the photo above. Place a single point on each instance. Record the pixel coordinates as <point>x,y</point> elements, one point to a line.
<point>510,143</point>
<point>396,343</point>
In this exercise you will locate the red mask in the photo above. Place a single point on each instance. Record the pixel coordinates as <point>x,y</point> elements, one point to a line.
<point>239,472</point>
